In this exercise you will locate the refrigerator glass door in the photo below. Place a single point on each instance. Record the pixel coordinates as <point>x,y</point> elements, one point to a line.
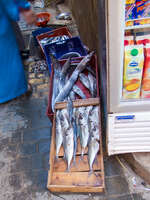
<point>128,49</point>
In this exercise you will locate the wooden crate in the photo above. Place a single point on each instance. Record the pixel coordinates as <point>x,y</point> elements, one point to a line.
<point>78,179</point>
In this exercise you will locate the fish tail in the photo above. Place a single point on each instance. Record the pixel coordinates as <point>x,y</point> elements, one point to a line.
<point>68,167</point>
<point>82,155</point>
<point>90,172</point>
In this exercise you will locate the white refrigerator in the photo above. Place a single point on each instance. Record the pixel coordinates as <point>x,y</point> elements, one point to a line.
<point>128,120</point>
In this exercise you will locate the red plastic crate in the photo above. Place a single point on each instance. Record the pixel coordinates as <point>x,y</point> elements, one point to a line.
<point>54,33</point>
<point>94,66</point>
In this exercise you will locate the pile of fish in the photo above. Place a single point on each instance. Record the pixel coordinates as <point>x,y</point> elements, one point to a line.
<point>65,77</point>
<point>79,122</point>
<point>73,123</point>
<point>50,40</point>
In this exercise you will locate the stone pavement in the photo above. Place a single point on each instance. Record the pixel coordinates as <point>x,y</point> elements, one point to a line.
<point>25,134</point>
<point>24,145</point>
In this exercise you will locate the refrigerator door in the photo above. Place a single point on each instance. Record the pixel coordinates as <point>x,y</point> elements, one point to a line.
<point>115,61</point>
<point>128,132</point>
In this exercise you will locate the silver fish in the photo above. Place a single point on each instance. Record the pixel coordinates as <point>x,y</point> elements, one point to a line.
<point>68,86</point>
<point>78,91</point>
<point>65,67</point>
<point>93,85</point>
<point>85,81</point>
<point>76,117</point>
<point>56,79</point>
<point>89,68</point>
<point>64,119</point>
<point>50,40</point>
<point>73,123</point>
<point>84,128</point>
<point>68,143</point>
<point>93,122</point>
<point>63,74</point>
<point>70,110</point>
<point>94,114</point>
<point>93,149</point>
<point>70,55</point>
<point>59,134</point>
<point>72,95</point>
<point>75,129</point>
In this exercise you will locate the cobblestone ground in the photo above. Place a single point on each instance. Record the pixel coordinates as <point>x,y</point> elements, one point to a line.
<point>24,151</point>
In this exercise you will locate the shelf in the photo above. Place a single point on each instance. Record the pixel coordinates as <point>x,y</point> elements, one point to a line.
<point>137,27</point>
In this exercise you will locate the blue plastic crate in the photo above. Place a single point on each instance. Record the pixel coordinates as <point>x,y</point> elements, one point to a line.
<point>73,44</point>
<point>40,31</point>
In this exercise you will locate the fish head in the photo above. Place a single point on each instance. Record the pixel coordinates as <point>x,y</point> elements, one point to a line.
<point>94,114</point>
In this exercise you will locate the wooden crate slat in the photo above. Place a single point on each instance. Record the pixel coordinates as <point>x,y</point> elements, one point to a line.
<point>81,165</point>
<point>75,189</point>
<point>78,103</point>
<point>77,179</point>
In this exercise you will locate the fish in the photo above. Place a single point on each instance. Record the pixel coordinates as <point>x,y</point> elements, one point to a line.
<point>70,55</point>
<point>85,81</point>
<point>93,85</point>
<point>68,143</point>
<point>75,129</point>
<point>89,68</point>
<point>51,40</point>
<point>64,119</point>
<point>70,110</point>
<point>78,91</point>
<point>93,148</point>
<point>94,114</point>
<point>59,134</point>
<point>76,117</point>
<point>93,122</point>
<point>84,128</point>
<point>66,67</point>
<point>72,95</point>
<point>56,81</point>
<point>63,74</point>
<point>73,123</point>
<point>68,86</point>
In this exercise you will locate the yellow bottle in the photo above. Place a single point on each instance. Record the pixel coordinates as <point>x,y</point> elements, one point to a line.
<point>133,70</point>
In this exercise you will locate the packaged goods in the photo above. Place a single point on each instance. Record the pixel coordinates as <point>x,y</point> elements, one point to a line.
<point>133,69</point>
<point>142,8</point>
<point>142,12</point>
<point>130,9</point>
<point>142,21</point>
<point>129,40</point>
<point>145,91</point>
<point>143,39</point>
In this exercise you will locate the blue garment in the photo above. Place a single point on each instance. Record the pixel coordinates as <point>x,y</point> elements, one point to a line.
<point>12,76</point>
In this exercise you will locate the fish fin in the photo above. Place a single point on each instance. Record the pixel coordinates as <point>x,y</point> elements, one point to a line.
<point>68,168</point>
